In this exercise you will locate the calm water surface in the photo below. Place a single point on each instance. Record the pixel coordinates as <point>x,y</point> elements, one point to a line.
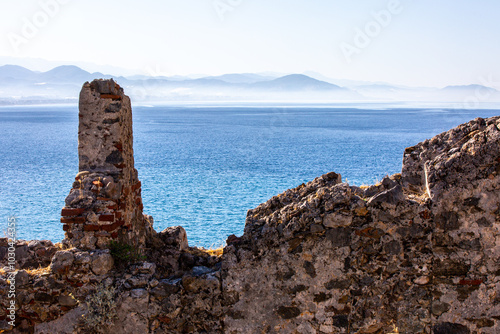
<point>204,167</point>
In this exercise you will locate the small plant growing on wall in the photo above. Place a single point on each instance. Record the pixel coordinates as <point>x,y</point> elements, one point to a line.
<point>101,309</point>
<point>125,254</point>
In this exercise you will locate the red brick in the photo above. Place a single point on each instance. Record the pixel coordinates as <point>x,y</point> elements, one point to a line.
<point>165,320</point>
<point>30,316</point>
<point>121,166</point>
<point>107,218</point>
<point>74,220</point>
<point>119,146</point>
<point>113,207</point>
<point>370,232</point>
<point>470,282</point>
<point>43,251</point>
<point>65,227</point>
<point>67,212</point>
<point>91,228</point>
<point>114,235</point>
<point>425,214</point>
<point>111,96</point>
<point>118,214</point>
<point>103,199</point>
<point>113,226</point>
<point>138,201</point>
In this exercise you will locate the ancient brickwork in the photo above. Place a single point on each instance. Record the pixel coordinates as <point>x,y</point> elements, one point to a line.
<point>105,202</point>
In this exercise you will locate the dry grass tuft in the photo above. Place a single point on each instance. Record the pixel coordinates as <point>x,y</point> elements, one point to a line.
<point>215,252</point>
<point>38,271</point>
<point>31,272</point>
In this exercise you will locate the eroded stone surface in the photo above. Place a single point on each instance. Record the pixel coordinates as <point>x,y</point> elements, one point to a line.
<point>105,203</point>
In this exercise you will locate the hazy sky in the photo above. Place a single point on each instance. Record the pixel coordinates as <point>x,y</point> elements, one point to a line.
<point>411,42</point>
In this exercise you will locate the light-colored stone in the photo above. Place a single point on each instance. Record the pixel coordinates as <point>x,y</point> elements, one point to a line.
<point>337,219</point>
<point>422,280</point>
<point>61,262</point>
<point>102,263</point>
<point>174,235</point>
<point>64,325</point>
<point>67,300</point>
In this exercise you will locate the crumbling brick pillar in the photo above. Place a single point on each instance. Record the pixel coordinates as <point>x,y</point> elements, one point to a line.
<point>105,203</point>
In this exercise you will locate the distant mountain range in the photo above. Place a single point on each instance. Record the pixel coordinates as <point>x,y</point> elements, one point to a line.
<point>20,85</point>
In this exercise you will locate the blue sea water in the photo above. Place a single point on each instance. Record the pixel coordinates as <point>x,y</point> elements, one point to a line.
<point>203,167</point>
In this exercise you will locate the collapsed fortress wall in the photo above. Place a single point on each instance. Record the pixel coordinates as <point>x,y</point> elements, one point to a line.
<point>417,253</point>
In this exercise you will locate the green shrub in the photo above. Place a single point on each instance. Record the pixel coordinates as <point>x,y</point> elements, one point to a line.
<point>124,253</point>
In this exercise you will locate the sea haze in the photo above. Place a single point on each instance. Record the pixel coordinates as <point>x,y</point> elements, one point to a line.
<point>204,167</point>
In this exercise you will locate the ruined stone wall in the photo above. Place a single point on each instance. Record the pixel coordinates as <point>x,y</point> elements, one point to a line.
<point>327,257</point>
<point>105,202</point>
<point>417,253</point>
<point>175,290</point>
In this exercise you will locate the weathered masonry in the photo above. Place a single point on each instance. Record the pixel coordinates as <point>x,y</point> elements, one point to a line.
<point>105,202</point>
